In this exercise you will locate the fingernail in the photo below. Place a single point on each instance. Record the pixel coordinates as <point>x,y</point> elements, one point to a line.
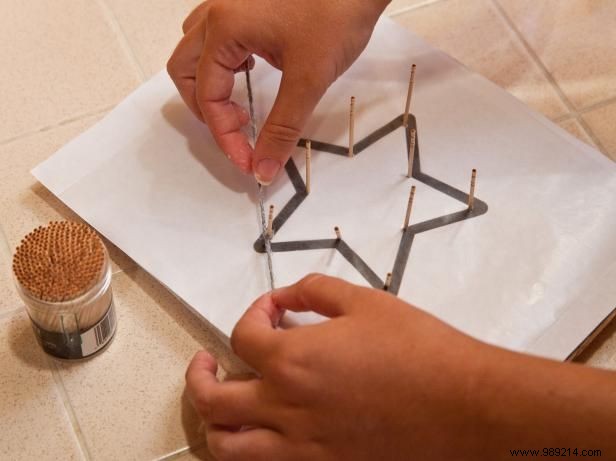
<point>267,169</point>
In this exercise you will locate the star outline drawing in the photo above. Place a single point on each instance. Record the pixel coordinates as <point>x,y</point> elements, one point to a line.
<point>408,234</point>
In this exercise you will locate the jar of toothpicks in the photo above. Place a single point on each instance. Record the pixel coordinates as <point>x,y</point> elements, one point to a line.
<point>63,275</point>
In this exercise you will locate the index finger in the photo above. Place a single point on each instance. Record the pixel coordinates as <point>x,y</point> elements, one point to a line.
<point>230,403</point>
<point>214,86</point>
<point>255,336</point>
<point>325,295</point>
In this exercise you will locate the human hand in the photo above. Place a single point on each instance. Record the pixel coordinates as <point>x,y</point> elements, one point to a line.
<point>380,380</point>
<point>384,380</point>
<point>311,42</point>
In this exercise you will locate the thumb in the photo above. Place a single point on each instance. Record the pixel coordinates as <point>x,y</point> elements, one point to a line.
<point>297,97</point>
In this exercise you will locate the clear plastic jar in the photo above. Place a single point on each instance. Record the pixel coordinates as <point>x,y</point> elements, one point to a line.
<point>76,328</point>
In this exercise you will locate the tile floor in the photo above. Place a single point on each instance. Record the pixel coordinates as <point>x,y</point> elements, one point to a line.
<point>70,61</point>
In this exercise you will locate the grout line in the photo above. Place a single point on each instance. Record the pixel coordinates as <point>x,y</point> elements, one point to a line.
<point>406,9</point>
<point>81,440</point>
<point>546,73</point>
<point>59,124</point>
<point>122,38</point>
<point>591,135</point>
<point>124,44</point>
<point>565,117</point>
<point>598,105</point>
<point>598,144</point>
<point>534,57</point>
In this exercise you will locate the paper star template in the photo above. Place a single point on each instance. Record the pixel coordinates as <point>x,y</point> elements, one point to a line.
<point>407,235</point>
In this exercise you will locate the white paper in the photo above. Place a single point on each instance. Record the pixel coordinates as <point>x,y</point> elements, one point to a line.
<point>535,273</point>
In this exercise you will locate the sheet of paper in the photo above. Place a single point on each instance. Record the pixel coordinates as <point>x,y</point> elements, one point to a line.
<point>532,268</point>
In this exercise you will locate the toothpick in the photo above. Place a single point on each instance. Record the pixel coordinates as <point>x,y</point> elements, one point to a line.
<point>412,152</point>
<point>352,128</point>
<point>471,195</point>
<point>409,96</point>
<point>388,281</point>
<point>60,263</point>
<point>270,223</point>
<point>409,208</point>
<point>338,233</point>
<point>308,164</point>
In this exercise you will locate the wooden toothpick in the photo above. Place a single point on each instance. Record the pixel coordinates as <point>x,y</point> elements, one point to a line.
<point>270,223</point>
<point>338,233</point>
<point>412,152</point>
<point>60,262</point>
<point>409,97</point>
<point>308,164</point>
<point>352,128</point>
<point>471,195</point>
<point>409,208</point>
<point>388,281</point>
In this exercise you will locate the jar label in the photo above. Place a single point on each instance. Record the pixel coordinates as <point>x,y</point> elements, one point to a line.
<point>78,345</point>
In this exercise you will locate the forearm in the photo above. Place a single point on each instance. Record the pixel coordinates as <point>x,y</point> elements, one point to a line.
<point>531,403</point>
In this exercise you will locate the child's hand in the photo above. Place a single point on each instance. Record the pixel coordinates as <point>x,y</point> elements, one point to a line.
<point>312,42</point>
<point>380,380</point>
<point>383,380</point>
